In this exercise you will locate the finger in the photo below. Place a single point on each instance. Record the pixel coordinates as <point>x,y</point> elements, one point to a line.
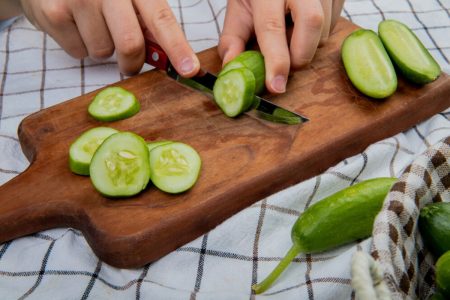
<point>270,29</point>
<point>237,28</point>
<point>327,6</point>
<point>336,12</point>
<point>55,19</point>
<point>308,20</point>
<point>93,30</point>
<point>126,34</point>
<point>161,22</point>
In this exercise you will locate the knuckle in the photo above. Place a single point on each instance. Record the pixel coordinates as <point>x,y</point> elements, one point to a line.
<point>130,45</point>
<point>164,17</point>
<point>55,13</point>
<point>274,25</point>
<point>101,53</point>
<point>315,20</point>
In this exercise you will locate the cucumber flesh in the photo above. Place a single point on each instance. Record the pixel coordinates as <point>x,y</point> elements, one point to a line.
<point>175,167</point>
<point>408,52</point>
<point>252,60</point>
<point>367,64</point>
<point>84,147</point>
<point>120,166</point>
<point>234,91</point>
<point>112,104</point>
<point>153,145</point>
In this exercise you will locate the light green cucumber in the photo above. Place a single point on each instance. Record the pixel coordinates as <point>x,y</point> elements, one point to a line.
<point>338,219</point>
<point>368,65</point>
<point>153,145</point>
<point>113,103</point>
<point>408,53</point>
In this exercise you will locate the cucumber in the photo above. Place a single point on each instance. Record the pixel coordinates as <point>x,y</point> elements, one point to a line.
<point>443,275</point>
<point>367,64</point>
<point>252,60</point>
<point>434,226</point>
<point>234,91</point>
<point>152,145</point>
<point>112,104</point>
<point>84,147</point>
<point>120,166</point>
<point>338,219</point>
<point>175,167</point>
<point>408,53</point>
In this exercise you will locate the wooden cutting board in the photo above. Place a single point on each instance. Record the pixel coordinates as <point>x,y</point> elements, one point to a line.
<point>244,159</point>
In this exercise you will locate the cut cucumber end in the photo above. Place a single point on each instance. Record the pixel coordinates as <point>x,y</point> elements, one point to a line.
<point>112,104</point>
<point>175,167</point>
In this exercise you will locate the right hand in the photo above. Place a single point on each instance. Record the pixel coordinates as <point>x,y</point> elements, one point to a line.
<point>97,28</point>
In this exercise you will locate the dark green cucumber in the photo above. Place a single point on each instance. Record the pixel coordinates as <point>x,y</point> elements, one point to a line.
<point>367,64</point>
<point>434,226</point>
<point>408,53</point>
<point>234,91</point>
<point>112,104</point>
<point>252,60</point>
<point>443,275</point>
<point>338,219</point>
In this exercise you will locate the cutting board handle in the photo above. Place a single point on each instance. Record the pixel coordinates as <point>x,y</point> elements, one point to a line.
<point>28,205</point>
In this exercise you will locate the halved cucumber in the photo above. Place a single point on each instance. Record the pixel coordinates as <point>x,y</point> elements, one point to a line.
<point>120,166</point>
<point>174,167</point>
<point>368,65</point>
<point>408,52</point>
<point>252,60</point>
<point>234,91</point>
<point>84,147</point>
<point>112,104</point>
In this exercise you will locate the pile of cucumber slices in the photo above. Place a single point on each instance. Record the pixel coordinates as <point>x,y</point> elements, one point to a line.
<point>121,164</point>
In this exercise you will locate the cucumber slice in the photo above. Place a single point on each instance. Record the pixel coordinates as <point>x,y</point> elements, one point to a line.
<point>112,104</point>
<point>408,52</point>
<point>252,60</point>
<point>153,145</point>
<point>368,65</point>
<point>234,91</point>
<point>174,167</point>
<point>84,147</point>
<point>120,166</point>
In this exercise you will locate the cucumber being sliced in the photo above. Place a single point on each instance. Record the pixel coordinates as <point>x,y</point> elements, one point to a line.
<point>234,91</point>
<point>112,104</point>
<point>252,60</point>
<point>120,166</point>
<point>408,52</point>
<point>174,167</point>
<point>84,147</point>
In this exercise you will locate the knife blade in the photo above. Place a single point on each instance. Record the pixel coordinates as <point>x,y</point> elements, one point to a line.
<point>204,82</point>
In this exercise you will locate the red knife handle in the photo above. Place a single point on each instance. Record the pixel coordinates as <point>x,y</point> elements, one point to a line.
<point>154,54</point>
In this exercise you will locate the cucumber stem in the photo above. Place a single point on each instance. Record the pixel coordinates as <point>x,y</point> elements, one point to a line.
<point>287,259</point>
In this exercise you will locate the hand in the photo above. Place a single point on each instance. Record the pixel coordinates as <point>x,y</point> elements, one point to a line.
<point>313,22</point>
<point>97,28</point>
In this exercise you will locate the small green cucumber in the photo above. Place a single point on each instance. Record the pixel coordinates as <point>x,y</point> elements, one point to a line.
<point>434,226</point>
<point>338,219</point>
<point>408,53</point>
<point>252,60</point>
<point>367,64</point>
<point>443,275</point>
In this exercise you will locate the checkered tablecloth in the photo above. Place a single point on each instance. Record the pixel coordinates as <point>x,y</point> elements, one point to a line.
<point>223,264</point>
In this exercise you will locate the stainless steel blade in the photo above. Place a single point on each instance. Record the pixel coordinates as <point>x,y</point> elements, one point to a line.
<point>264,108</point>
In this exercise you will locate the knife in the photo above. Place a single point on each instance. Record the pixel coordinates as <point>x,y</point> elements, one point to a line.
<point>204,82</point>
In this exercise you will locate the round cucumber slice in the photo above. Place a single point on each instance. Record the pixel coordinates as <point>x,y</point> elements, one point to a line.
<point>234,91</point>
<point>84,147</point>
<point>112,104</point>
<point>120,166</point>
<point>174,167</point>
<point>152,145</point>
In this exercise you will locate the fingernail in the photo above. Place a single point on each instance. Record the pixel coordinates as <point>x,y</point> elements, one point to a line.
<point>278,84</point>
<point>187,65</point>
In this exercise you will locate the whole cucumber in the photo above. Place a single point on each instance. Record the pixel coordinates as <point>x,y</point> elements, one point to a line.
<point>443,275</point>
<point>338,219</point>
<point>434,226</point>
<point>408,52</point>
<point>367,64</point>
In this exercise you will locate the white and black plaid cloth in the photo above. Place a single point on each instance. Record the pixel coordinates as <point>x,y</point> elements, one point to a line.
<point>223,264</point>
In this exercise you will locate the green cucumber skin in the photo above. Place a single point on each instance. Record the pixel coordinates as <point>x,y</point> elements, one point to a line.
<point>434,226</point>
<point>377,80</point>
<point>341,218</point>
<point>394,49</point>
<point>252,60</point>
<point>116,117</point>
<point>443,275</point>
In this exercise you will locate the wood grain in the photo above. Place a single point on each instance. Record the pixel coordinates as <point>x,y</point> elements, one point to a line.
<point>244,159</point>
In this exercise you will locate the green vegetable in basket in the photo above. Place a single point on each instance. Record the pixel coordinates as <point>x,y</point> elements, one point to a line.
<point>443,275</point>
<point>341,218</point>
